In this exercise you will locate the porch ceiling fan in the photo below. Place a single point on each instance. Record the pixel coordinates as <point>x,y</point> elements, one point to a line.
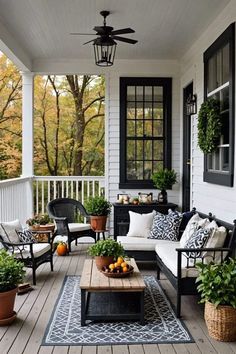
<point>105,43</point>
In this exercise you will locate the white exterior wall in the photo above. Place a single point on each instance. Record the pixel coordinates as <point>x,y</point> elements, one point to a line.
<point>159,68</point>
<point>207,197</point>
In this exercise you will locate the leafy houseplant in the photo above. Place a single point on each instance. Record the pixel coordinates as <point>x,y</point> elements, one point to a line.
<point>98,208</point>
<point>209,125</point>
<point>164,179</point>
<point>217,285</point>
<point>39,219</point>
<point>11,274</point>
<point>106,251</point>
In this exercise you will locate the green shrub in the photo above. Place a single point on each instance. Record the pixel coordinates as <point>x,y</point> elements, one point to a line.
<point>98,206</point>
<point>11,271</point>
<point>217,282</point>
<point>39,219</point>
<point>164,179</point>
<point>108,247</point>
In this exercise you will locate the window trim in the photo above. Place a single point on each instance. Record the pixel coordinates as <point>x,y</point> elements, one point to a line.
<point>228,36</point>
<point>166,83</point>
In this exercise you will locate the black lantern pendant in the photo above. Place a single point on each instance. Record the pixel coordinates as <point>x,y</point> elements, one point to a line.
<point>191,105</point>
<point>104,51</point>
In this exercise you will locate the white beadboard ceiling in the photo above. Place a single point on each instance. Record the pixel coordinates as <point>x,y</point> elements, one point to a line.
<point>165,29</point>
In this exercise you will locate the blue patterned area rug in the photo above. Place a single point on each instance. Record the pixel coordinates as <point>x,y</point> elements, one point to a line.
<point>161,325</point>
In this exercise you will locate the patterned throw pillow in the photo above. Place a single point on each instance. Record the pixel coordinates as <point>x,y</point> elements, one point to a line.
<point>26,236</point>
<point>166,227</point>
<point>197,240</point>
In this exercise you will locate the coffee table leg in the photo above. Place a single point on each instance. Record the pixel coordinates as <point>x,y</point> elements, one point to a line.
<point>83,306</point>
<point>142,321</point>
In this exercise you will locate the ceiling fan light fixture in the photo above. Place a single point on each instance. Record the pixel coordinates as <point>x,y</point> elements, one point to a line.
<point>104,53</point>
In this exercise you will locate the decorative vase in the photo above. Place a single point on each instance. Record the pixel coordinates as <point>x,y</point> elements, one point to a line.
<point>7,301</point>
<point>102,261</point>
<point>220,322</point>
<point>98,222</point>
<point>162,197</point>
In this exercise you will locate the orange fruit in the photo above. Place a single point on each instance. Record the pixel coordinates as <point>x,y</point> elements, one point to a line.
<point>125,269</point>
<point>120,260</point>
<point>123,264</point>
<point>111,266</point>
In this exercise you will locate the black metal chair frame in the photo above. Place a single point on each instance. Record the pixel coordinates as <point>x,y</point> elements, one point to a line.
<point>31,262</point>
<point>64,217</point>
<point>187,285</point>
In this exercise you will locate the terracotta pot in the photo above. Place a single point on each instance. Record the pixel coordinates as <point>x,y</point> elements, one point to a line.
<point>98,222</point>
<point>47,227</point>
<point>7,301</point>
<point>102,261</point>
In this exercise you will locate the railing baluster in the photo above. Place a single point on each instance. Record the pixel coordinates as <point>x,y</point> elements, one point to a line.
<point>42,206</point>
<point>37,197</point>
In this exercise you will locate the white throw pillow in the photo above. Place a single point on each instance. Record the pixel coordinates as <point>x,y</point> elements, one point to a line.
<point>10,230</point>
<point>140,224</point>
<point>194,223</point>
<point>217,239</point>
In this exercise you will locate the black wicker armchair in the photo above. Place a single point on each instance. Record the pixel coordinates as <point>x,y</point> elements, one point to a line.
<point>66,212</point>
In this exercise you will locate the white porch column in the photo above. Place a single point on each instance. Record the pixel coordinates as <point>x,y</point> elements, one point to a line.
<point>27,124</point>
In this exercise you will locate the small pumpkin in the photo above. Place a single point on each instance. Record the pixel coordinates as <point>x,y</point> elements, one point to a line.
<point>62,249</point>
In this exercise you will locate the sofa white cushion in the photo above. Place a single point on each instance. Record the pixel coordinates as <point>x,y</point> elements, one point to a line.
<point>140,224</point>
<point>137,243</point>
<point>73,227</point>
<point>166,250</point>
<point>38,249</point>
<point>194,223</point>
<point>9,230</point>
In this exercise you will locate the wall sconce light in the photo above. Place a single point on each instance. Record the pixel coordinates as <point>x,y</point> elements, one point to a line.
<point>191,105</point>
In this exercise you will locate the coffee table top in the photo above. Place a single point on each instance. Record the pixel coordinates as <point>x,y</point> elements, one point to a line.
<point>94,280</point>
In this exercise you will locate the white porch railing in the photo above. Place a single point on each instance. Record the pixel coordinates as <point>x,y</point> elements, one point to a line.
<point>77,187</point>
<point>16,201</point>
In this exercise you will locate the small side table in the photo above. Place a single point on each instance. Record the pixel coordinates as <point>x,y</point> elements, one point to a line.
<point>98,232</point>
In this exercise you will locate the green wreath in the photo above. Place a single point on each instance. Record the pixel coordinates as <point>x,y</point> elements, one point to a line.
<point>209,125</point>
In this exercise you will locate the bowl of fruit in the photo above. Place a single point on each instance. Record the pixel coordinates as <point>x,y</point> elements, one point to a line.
<point>118,269</point>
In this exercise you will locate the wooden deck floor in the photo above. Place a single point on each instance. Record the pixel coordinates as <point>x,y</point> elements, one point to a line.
<point>34,310</point>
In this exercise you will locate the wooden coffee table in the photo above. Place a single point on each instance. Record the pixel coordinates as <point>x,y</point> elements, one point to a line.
<point>104,298</point>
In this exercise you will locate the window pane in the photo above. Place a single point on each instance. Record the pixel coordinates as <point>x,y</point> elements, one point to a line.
<point>148,93</point>
<point>225,127</point>
<point>131,171</point>
<point>139,111</point>
<point>130,110</point>
<point>218,68</point>
<point>130,128</point>
<point>209,162</point>
<point>158,93</point>
<point>148,110</point>
<point>147,150</point>
<point>158,150</point>
<point>158,128</point>
<point>139,93</point>
<point>157,110</point>
<point>211,85</point>
<point>157,165</point>
<point>139,128</point>
<point>225,159</point>
<point>216,160</point>
<point>147,170</point>
<point>139,170</point>
<point>225,99</point>
<point>148,128</point>
<point>130,93</point>
<point>130,149</point>
<point>225,64</point>
<point>139,145</point>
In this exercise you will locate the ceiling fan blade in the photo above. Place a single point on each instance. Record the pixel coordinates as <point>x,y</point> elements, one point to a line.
<point>89,41</point>
<point>123,31</point>
<point>81,34</point>
<point>126,40</point>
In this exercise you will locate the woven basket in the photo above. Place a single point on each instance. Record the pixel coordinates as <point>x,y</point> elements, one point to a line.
<point>221,322</point>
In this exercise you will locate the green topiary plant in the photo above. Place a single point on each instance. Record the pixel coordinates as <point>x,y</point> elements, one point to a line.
<point>39,219</point>
<point>108,247</point>
<point>164,179</point>
<point>11,271</point>
<point>98,206</point>
<point>209,125</point>
<point>217,283</point>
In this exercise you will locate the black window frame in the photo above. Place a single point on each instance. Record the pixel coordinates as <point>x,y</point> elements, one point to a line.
<point>227,37</point>
<point>166,83</point>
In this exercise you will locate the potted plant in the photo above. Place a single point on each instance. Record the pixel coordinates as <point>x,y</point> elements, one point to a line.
<point>98,208</point>
<point>164,179</point>
<point>11,274</point>
<point>217,285</point>
<point>41,222</point>
<point>105,252</point>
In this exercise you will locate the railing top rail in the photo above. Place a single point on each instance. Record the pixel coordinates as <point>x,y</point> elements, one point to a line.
<point>68,178</point>
<point>11,181</point>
